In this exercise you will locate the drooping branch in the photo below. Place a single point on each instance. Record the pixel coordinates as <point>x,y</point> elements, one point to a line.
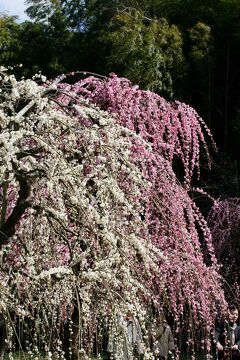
<point>4,200</point>
<point>8,227</point>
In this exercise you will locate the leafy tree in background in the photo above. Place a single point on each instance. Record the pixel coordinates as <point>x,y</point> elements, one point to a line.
<point>147,51</point>
<point>132,36</point>
<point>82,14</point>
<point>34,36</point>
<point>122,39</point>
<point>47,47</point>
<point>9,40</point>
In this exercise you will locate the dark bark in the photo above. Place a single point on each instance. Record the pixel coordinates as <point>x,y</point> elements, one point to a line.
<point>8,227</point>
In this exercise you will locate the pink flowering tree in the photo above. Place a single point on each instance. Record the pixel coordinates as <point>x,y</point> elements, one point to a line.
<point>93,219</point>
<point>173,129</point>
<point>224,222</point>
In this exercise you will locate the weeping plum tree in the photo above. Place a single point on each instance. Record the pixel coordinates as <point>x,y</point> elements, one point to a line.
<point>224,222</point>
<point>93,219</point>
<point>172,129</point>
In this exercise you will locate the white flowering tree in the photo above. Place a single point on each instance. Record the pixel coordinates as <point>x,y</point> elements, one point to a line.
<point>93,223</point>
